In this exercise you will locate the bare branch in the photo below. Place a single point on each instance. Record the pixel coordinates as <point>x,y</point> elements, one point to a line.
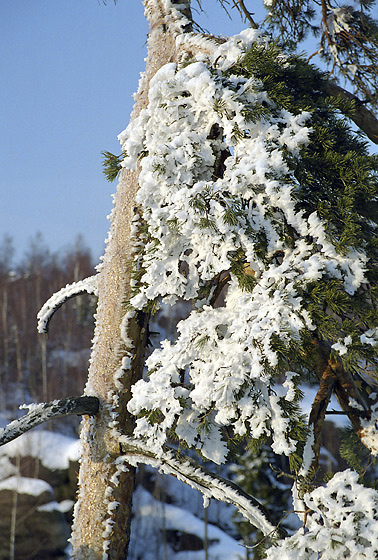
<point>42,412</point>
<point>209,484</point>
<point>239,4</point>
<point>347,389</point>
<point>345,412</point>
<point>319,406</point>
<point>88,285</point>
<point>325,22</point>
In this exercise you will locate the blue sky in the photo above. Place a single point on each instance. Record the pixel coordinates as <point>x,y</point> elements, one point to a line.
<point>68,72</point>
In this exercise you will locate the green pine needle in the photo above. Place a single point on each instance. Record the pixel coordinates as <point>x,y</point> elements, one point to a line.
<point>112,165</point>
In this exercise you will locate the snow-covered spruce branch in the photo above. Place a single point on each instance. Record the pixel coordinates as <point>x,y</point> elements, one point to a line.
<point>198,477</point>
<point>40,413</point>
<point>88,285</point>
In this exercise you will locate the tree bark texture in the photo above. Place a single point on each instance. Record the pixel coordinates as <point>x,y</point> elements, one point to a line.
<point>106,482</point>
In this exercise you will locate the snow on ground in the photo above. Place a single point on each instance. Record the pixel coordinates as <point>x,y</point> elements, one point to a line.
<point>53,449</point>
<point>184,496</point>
<point>24,485</point>
<point>153,519</point>
<point>64,506</point>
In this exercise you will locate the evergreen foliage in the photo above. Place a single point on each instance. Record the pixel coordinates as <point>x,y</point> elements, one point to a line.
<point>258,204</point>
<point>258,189</point>
<point>335,177</point>
<point>112,165</point>
<point>347,37</point>
<point>358,458</point>
<point>331,176</point>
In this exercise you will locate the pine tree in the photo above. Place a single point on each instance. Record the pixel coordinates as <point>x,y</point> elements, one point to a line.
<point>280,209</point>
<point>243,190</point>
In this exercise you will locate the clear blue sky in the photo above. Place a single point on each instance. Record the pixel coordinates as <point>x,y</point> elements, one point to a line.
<point>68,72</point>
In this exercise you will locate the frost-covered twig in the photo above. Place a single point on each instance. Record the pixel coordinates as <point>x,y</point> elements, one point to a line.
<point>198,477</point>
<point>39,413</point>
<point>88,285</point>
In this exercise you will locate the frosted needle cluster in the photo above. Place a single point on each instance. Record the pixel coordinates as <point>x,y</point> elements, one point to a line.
<point>217,194</point>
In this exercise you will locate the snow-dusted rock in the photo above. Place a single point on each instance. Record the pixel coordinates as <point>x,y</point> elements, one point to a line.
<point>40,532</point>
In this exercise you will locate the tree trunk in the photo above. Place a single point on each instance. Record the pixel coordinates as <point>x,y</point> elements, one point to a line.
<point>103,509</point>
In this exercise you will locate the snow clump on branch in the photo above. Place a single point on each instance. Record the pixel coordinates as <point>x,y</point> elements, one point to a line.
<point>218,198</point>
<point>342,522</point>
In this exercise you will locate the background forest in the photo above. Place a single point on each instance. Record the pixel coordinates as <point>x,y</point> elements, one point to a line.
<point>25,356</point>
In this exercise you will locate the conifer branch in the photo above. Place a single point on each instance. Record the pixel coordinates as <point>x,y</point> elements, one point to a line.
<point>239,4</point>
<point>112,165</point>
<point>325,22</point>
<point>42,412</point>
<point>334,378</point>
<point>319,408</point>
<point>344,413</point>
<point>209,484</point>
<point>347,390</point>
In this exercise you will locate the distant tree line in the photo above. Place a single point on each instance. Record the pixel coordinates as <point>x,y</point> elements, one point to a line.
<point>35,367</point>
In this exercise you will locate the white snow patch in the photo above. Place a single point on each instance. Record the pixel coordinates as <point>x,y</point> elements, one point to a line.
<point>150,516</point>
<point>25,485</point>
<point>54,450</point>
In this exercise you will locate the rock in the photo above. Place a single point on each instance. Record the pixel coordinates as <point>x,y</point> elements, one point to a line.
<point>41,529</point>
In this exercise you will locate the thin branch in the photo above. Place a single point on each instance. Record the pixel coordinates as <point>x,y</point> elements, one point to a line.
<point>325,22</point>
<point>40,413</point>
<point>209,484</point>
<point>362,117</point>
<point>278,524</point>
<point>239,4</point>
<point>319,406</point>
<point>346,389</point>
<point>314,54</point>
<point>88,285</point>
<point>347,412</point>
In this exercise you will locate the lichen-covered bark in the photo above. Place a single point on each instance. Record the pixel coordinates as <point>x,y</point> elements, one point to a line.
<point>103,509</point>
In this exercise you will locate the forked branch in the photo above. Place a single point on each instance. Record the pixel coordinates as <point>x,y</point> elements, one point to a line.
<point>319,407</point>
